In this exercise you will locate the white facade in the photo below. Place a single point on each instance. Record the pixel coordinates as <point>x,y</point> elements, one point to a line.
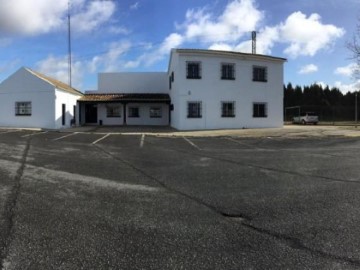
<point>210,91</point>
<point>133,82</point>
<point>28,100</point>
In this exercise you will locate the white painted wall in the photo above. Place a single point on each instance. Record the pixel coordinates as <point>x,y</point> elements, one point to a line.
<point>24,86</point>
<point>211,90</point>
<point>131,82</point>
<point>70,100</point>
<point>144,114</point>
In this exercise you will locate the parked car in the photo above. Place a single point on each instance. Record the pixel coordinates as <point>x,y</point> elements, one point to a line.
<point>306,118</point>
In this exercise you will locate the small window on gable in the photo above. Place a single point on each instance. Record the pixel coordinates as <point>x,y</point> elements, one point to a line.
<point>23,108</point>
<point>228,109</point>
<point>172,76</point>
<point>134,112</point>
<point>227,71</point>
<point>155,112</point>
<point>193,70</point>
<point>259,74</point>
<point>259,110</point>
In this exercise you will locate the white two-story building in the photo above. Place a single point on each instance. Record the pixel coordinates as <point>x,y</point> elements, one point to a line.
<point>203,89</point>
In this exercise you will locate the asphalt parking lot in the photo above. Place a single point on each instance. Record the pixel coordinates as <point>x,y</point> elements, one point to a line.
<point>115,201</point>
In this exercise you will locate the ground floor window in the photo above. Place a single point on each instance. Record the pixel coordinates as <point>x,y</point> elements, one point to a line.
<point>23,108</point>
<point>113,111</point>
<point>194,109</point>
<point>228,109</point>
<point>260,110</point>
<point>134,112</point>
<point>155,112</point>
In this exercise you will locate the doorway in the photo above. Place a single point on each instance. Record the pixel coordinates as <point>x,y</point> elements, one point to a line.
<point>91,113</point>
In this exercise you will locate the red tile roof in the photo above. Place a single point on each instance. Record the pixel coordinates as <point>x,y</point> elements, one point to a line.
<point>141,97</point>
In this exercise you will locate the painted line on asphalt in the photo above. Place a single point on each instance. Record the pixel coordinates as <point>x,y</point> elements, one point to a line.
<point>34,134</point>
<point>102,138</point>
<point>191,143</point>
<point>68,135</point>
<point>142,141</point>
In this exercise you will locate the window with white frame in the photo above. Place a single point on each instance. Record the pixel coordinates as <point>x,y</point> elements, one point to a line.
<point>23,108</point>
<point>193,70</point>
<point>227,71</point>
<point>259,110</point>
<point>113,111</point>
<point>194,109</point>
<point>259,74</point>
<point>228,109</point>
<point>134,112</point>
<point>155,112</point>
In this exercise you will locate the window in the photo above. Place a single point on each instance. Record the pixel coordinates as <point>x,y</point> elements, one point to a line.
<point>259,74</point>
<point>23,108</point>
<point>113,111</point>
<point>155,112</point>
<point>194,109</point>
<point>193,70</point>
<point>228,109</point>
<point>227,71</point>
<point>172,76</point>
<point>170,83</point>
<point>134,112</point>
<point>260,110</point>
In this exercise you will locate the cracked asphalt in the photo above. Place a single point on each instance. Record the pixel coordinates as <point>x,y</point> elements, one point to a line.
<point>115,201</point>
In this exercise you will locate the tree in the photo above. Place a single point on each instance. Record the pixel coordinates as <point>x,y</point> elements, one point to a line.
<point>354,47</point>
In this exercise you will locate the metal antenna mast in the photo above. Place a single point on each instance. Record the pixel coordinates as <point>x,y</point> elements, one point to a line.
<point>253,38</point>
<point>69,44</point>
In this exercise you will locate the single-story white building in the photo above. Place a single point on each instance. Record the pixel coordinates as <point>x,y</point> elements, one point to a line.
<point>29,99</point>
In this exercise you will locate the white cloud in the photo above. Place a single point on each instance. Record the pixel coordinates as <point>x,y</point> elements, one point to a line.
<point>307,35</point>
<point>347,71</point>
<point>57,67</point>
<point>351,87</point>
<point>238,18</point>
<point>43,16</point>
<point>311,68</point>
<point>135,6</point>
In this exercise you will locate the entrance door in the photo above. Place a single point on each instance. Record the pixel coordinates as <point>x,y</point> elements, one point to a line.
<point>90,113</point>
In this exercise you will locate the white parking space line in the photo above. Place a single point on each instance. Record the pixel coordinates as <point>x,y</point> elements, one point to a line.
<point>34,134</point>
<point>142,140</point>
<point>191,143</point>
<point>102,138</point>
<point>68,135</point>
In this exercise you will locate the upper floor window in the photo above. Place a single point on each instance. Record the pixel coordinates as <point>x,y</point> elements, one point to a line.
<point>194,109</point>
<point>260,110</point>
<point>193,70</point>
<point>23,108</point>
<point>259,74</point>
<point>228,109</point>
<point>227,71</point>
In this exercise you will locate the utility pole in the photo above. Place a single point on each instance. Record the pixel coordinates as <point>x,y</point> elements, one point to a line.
<point>356,110</point>
<point>253,39</point>
<point>69,45</point>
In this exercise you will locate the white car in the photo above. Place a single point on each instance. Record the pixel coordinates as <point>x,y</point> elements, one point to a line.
<point>306,118</point>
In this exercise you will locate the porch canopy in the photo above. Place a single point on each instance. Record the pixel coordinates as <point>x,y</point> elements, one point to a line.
<point>89,103</point>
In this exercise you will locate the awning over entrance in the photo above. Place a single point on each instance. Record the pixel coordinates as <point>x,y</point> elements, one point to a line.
<point>125,98</point>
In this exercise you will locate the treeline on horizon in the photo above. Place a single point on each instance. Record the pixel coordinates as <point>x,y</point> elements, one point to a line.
<point>329,103</point>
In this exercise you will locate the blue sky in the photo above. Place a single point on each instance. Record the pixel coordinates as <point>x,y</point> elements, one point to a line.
<point>137,35</point>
